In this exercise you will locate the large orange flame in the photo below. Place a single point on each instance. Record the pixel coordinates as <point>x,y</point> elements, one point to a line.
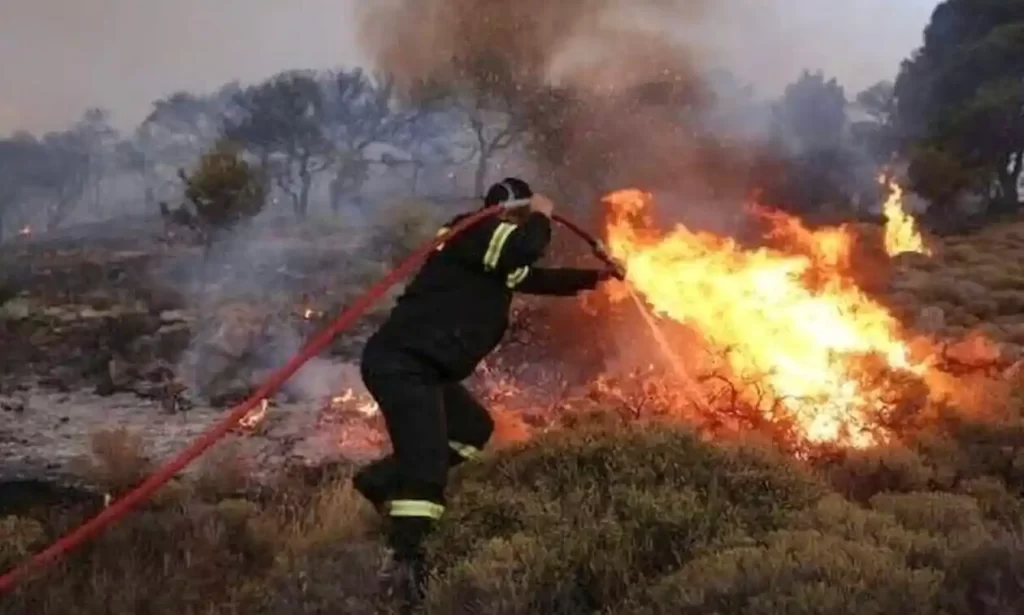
<point>794,322</point>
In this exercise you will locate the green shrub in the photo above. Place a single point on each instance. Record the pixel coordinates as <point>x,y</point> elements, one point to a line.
<point>987,580</point>
<point>804,572</point>
<point>859,474</point>
<point>224,189</point>
<point>573,522</point>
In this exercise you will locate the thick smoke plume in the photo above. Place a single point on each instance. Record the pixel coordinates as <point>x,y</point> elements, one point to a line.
<point>607,93</point>
<point>583,42</point>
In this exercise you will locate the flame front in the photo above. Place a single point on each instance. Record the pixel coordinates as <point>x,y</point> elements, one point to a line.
<point>794,323</point>
<point>901,233</point>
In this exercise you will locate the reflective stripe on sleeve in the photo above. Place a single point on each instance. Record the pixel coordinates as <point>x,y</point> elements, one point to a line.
<point>415,508</point>
<point>464,450</point>
<point>498,240</point>
<point>516,277</point>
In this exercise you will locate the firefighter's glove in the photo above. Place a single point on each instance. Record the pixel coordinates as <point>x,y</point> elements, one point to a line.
<point>613,270</point>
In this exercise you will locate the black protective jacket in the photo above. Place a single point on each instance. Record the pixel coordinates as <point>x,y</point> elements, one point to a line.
<point>455,311</point>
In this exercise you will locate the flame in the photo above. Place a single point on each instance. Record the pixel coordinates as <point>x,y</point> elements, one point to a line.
<point>25,230</point>
<point>363,404</point>
<point>901,233</point>
<point>792,322</point>
<point>256,415</point>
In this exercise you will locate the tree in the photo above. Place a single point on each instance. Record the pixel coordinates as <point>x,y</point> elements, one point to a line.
<point>179,129</point>
<point>63,175</point>
<point>282,122</point>
<point>99,141</point>
<point>360,113</point>
<point>806,164</point>
<point>811,116</point>
<point>877,134</point>
<point>960,102</point>
<point>223,190</point>
<point>492,103</point>
<point>21,159</point>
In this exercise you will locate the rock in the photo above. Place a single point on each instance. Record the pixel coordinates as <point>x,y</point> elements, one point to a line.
<point>175,316</point>
<point>16,309</point>
<point>13,404</point>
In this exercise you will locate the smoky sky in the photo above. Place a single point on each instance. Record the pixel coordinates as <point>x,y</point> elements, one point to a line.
<point>58,57</point>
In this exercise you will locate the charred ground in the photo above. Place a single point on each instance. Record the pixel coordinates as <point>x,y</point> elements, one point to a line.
<point>597,499</point>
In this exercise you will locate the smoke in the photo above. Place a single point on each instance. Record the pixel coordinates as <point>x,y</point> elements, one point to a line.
<point>610,93</point>
<point>574,41</point>
<point>260,294</point>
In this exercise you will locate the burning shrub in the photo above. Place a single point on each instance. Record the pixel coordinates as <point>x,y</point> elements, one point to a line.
<point>571,523</point>
<point>224,189</point>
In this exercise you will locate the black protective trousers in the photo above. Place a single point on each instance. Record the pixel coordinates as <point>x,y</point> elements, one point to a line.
<point>433,423</point>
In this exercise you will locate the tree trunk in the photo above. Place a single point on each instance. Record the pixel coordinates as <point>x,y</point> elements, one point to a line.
<point>480,177</point>
<point>1009,195</point>
<point>304,190</point>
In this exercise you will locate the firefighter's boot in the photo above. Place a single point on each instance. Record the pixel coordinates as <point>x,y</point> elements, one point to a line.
<point>403,581</point>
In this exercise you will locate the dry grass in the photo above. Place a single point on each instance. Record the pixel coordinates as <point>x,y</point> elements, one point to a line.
<point>610,516</point>
<point>202,546</point>
<point>975,282</point>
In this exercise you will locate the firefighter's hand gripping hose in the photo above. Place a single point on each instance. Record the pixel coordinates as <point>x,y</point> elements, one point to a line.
<point>121,507</point>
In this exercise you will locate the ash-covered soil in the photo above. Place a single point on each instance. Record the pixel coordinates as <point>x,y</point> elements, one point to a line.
<point>104,328</point>
<point>109,328</point>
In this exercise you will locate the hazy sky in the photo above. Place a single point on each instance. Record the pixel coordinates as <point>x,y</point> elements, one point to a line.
<point>58,57</point>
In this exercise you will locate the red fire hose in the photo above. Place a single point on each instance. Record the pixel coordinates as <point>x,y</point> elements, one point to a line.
<point>121,507</point>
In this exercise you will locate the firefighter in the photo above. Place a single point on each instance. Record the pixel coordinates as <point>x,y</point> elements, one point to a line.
<point>453,313</point>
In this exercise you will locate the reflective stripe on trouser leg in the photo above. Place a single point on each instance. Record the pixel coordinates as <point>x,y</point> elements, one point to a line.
<point>416,508</point>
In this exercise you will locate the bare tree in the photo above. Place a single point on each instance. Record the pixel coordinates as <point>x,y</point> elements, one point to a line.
<point>282,123</point>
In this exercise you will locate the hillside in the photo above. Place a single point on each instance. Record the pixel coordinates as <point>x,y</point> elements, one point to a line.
<point>603,509</point>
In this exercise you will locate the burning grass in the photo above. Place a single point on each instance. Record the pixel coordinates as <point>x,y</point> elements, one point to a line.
<point>785,328</point>
<point>851,452</point>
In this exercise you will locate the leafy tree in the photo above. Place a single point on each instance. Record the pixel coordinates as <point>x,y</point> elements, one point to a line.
<point>224,190</point>
<point>811,116</point>
<point>806,164</point>
<point>282,121</point>
<point>960,101</point>
<point>877,134</point>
